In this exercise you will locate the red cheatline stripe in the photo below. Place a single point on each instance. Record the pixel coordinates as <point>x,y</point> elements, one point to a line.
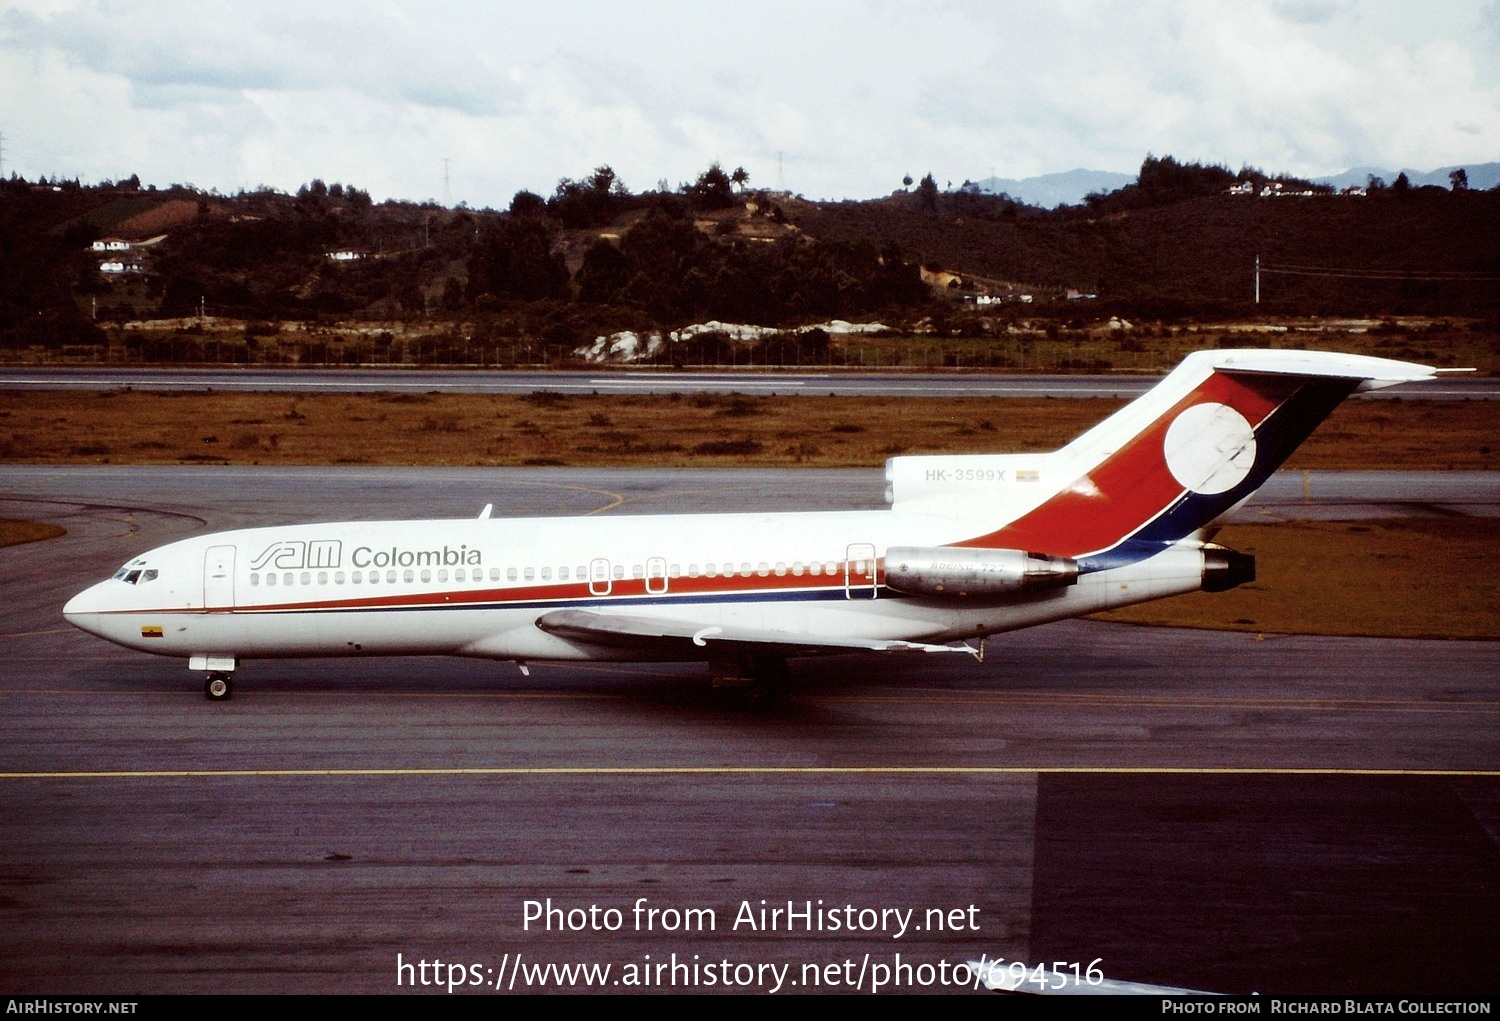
<point>622,589</point>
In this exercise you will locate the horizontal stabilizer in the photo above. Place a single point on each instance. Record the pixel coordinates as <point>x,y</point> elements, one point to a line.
<point>635,631</point>
<point>1374,372</point>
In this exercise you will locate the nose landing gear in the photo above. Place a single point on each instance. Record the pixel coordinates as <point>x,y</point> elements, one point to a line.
<point>220,683</point>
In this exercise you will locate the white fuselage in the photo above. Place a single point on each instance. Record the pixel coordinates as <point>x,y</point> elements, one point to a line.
<point>476,587</point>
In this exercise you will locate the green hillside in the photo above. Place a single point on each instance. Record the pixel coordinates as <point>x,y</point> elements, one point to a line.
<point>549,274</point>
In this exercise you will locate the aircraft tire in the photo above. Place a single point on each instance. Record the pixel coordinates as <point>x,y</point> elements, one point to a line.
<point>219,687</point>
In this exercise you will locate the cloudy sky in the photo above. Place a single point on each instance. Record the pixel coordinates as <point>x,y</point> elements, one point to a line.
<point>830,98</point>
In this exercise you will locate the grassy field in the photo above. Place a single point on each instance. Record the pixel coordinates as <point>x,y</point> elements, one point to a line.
<point>129,427</point>
<point>1396,578</point>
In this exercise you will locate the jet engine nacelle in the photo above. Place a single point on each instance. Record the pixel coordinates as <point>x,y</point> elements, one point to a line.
<point>974,573</point>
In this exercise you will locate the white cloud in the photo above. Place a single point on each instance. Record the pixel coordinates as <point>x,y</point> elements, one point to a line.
<point>855,94</point>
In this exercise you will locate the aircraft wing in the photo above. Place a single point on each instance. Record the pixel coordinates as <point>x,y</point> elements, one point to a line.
<point>635,631</point>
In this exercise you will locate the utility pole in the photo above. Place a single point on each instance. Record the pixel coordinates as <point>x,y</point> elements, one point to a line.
<point>1257,278</point>
<point>447,191</point>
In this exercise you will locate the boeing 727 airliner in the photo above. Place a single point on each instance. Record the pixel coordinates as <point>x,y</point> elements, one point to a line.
<point>971,546</point>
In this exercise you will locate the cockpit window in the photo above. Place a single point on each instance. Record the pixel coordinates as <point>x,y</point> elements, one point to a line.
<point>131,573</point>
<point>134,574</point>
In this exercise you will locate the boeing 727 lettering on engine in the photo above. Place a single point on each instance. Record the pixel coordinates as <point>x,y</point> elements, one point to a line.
<point>971,546</point>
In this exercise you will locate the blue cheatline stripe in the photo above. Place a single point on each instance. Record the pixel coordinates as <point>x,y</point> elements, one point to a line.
<point>1282,432</point>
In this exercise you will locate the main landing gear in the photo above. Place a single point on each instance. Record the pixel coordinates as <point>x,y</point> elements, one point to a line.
<point>759,680</point>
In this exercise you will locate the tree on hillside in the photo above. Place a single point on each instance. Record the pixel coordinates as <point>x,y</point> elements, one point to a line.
<point>740,177</point>
<point>713,189</point>
<point>1165,181</point>
<point>527,203</point>
<point>1459,179</point>
<point>516,261</point>
<point>604,273</point>
<point>927,193</point>
<point>603,179</point>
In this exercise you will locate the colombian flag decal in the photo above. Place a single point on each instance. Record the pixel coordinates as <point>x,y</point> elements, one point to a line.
<point>151,631</point>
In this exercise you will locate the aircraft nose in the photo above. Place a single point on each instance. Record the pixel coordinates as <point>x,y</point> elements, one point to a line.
<point>81,610</point>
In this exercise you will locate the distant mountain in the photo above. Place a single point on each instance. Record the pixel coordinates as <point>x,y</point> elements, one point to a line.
<point>1482,176</point>
<point>1052,190</point>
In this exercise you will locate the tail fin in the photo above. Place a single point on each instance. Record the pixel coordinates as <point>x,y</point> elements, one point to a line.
<point>1201,441</point>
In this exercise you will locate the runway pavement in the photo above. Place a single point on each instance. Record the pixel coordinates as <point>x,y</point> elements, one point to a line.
<point>1213,811</point>
<point>840,382</point>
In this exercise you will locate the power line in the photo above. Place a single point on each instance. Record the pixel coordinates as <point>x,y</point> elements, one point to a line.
<point>1462,276</point>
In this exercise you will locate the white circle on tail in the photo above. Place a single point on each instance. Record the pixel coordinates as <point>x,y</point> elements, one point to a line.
<point>1210,448</point>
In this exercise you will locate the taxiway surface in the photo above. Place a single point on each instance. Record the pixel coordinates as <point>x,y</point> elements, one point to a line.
<point>1215,811</point>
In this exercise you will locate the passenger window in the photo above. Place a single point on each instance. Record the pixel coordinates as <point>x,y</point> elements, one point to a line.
<point>442,574</point>
<point>322,577</point>
<point>408,575</point>
<point>270,580</point>
<point>529,574</point>
<point>254,580</point>
<point>637,572</point>
<point>286,579</point>
<point>815,569</point>
<point>797,568</point>
<point>307,577</point>
<point>356,577</point>
<point>763,569</point>
<point>510,574</point>
<point>338,577</point>
<point>619,572</point>
<point>546,574</point>
<point>426,575</point>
